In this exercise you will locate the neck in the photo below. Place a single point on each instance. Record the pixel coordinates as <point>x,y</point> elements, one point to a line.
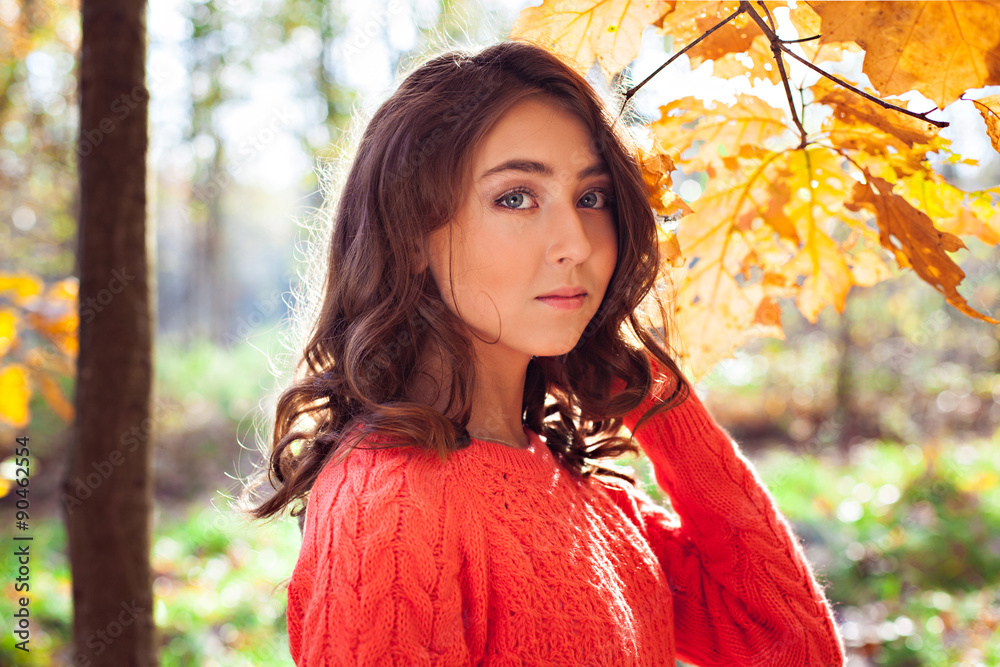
<point>497,394</point>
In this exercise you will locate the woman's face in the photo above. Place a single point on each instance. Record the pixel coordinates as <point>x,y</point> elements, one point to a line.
<point>526,260</point>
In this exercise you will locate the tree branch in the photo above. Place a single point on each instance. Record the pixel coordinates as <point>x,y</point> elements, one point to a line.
<point>776,52</point>
<point>779,46</point>
<point>634,89</point>
<point>799,41</point>
<point>881,103</point>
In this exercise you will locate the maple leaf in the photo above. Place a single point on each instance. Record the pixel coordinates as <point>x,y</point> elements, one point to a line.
<point>861,124</point>
<point>762,64</point>
<point>580,31</point>
<point>989,107</point>
<point>940,49</point>
<point>807,24</point>
<point>748,122</point>
<point>712,311</point>
<point>814,185</point>
<point>686,20</point>
<point>784,213</point>
<point>912,238</point>
<point>656,166</point>
<point>690,19</point>
<point>951,209</point>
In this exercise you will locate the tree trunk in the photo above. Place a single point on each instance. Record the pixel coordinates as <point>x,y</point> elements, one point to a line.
<point>844,414</point>
<point>107,493</point>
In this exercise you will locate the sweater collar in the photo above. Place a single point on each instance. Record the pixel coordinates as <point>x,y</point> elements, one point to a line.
<point>535,460</point>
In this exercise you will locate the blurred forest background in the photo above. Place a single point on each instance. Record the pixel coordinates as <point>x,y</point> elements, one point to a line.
<point>876,429</point>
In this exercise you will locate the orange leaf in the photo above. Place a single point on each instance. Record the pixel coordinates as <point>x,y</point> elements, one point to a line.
<point>989,107</point>
<point>581,31</point>
<point>940,49</point>
<point>686,20</point>
<point>54,395</point>
<point>762,63</point>
<point>911,236</point>
<point>14,395</point>
<point>768,316</point>
<point>858,123</point>
<point>670,249</point>
<point>807,24</point>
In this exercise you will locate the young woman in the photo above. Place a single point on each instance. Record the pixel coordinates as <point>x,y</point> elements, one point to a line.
<point>480,343</point>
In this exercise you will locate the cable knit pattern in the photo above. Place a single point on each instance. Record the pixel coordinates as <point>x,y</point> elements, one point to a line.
<point>501,557</point>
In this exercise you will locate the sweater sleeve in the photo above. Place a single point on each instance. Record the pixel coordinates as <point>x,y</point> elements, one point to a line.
<point>742,589</point>
<point>378,581</point>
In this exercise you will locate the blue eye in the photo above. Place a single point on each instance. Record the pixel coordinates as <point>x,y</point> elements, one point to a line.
<point>596,199</point>
<point>515,199</point>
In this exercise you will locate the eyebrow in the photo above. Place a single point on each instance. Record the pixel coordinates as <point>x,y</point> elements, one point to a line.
<point>533,167</point>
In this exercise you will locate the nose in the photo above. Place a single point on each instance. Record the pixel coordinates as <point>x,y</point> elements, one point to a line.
<point>569,240</point>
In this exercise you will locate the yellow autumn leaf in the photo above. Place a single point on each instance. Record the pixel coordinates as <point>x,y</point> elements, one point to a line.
<point>713,312</point>
<point>14,395</point>
<point>22,286</point>
<point>58,318</point>
<point>940,49</point>
<point>814,185</point>
<point>989,107</point>
<point>8,330</point>
<point>912,238</point>
<point>952,210</point>
<point>581,31</point>
<point>868,268</point>
<point>807,24</point>
<point>723,129</point>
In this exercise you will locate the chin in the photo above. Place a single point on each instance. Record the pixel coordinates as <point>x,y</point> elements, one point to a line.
<point>556,349</point>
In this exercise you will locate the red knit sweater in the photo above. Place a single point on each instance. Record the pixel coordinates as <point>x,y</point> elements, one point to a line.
<point>502,557</point>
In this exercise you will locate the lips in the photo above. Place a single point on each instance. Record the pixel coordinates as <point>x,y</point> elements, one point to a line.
<point>565,298</point>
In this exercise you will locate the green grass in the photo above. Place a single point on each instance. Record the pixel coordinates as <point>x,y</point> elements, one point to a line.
<point>219,591</point>
<point>908,540</point>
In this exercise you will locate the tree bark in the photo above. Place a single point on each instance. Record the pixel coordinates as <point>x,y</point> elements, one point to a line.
<point>107,492</point>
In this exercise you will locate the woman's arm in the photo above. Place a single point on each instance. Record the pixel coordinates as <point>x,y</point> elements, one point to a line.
<point>743,591</point>
<point>377,581</point>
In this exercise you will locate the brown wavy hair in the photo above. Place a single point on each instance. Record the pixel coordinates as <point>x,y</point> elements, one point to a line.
<point>381,310</point>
